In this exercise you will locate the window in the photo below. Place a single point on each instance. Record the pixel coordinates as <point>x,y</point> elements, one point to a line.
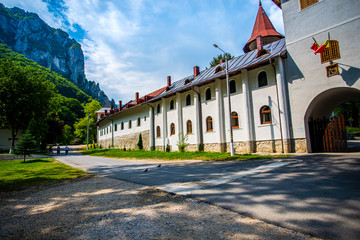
<point>208,94</point>
<point>172,105</point>
<point>188,100</point>
<point>188,126</point>
<point>110,128</point>
<point>172,129</point>
<point>209,124</point>
<point>262,79</point>
<point>158,108</point>
<point>307,3</point>
<point>232,86</point>
<point>331,53</point>
<point>265,115</point>
<point>234,120</point>
<point>115,127</point>
<point>219,69</point>
<point>129,123</point>
<point>138,122</point>
<point>122,125</point>
<point>158,133</point>
<point>144,118</point>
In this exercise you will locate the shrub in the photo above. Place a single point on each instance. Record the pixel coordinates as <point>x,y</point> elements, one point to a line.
<point>140,143</point>
<point>201,147</point>
<point>182,142</point>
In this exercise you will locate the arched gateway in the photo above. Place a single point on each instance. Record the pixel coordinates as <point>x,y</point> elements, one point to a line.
<point>323,132</point>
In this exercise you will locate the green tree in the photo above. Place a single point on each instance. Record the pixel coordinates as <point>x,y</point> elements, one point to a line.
<point>81,125</point>
<point>140,143</point>
<point>26,145</point>
<point>24,95</point>
<point>216,60</point>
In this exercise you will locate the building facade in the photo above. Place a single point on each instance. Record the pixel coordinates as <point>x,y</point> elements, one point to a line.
<point>276,88</point>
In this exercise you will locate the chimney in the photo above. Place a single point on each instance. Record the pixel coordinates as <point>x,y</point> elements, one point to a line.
<point>196,71</point>
<point>168,81</point>
<point>137,97</point>
<point>259,43</point>
<point>120,105</point>
<point>221,61</point>
<point>146,98</point>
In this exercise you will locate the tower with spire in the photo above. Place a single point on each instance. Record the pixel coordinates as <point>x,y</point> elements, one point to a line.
<point>263,30</point>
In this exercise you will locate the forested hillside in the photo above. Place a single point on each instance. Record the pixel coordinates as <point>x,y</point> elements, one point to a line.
<point>64,86</point>
<point>20,101</point>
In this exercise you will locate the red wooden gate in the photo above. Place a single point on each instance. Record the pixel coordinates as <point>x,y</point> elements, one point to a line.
<point>328,135</point>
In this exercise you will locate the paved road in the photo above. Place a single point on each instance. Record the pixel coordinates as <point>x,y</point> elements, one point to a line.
<point>318,195</point>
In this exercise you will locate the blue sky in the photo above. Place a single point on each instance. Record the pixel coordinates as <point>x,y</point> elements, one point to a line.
<point>133,45</point>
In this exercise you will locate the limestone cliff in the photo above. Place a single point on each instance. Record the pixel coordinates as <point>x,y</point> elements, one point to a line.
<point>26,33</point>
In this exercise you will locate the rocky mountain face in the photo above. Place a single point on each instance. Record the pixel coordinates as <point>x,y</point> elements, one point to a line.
<point>52,48</point>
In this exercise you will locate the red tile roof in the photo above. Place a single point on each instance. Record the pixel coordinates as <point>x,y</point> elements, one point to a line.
<point>262,27</point>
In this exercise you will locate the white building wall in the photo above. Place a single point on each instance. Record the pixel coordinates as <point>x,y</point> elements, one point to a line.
<point>261,96</point>
<point>158,121</point>
<point>209,108</point>
<point>305,74</point>
<point>172,117</point>
<point>189,113</point>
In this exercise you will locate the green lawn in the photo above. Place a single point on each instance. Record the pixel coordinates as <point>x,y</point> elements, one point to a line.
<point>18,175</point>
<point>117,153</point>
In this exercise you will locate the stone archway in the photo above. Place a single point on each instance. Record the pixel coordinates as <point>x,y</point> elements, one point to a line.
<point>324,104</point>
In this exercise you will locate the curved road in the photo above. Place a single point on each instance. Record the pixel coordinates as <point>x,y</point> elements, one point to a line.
<point>318,194</point>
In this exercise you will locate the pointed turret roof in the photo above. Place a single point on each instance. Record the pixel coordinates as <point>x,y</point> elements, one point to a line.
<point>262,27</point>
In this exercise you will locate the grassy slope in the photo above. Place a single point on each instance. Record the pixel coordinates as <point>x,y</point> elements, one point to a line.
<point>17,175</point>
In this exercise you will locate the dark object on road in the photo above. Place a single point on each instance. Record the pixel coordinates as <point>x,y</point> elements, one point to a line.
<point>159,165</point>
<point>146,170</point>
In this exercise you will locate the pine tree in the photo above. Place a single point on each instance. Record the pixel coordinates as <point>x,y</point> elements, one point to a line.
<point>140,142</point>
<point>26,144</point>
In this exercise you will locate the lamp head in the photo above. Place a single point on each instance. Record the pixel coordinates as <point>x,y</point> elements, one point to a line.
<point>215,45</point>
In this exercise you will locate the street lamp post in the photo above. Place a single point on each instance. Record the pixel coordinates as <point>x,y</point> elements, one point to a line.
<point>232,150</point>
<point>87,133</point>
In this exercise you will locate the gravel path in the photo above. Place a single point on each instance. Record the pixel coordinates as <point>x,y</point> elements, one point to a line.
<point>104,208</point>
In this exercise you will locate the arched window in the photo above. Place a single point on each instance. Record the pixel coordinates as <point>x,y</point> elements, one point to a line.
<point>172,129</point>
<point>138,122</point>
<point>262,79</point>
<point>188,127</point>
<point>219,69</point>
<point>188,100</point>
<point>265,115</point>
<point>208,94</point>
<point>122,125</point>
<point>158,108</point>
<point>129,123</point>
<point>331,53</point>
<point>209,124</point>
<point>234,120</point>
<point>172,104</point>
<point>232,86</point>
<point>115,127</point>
<point>158,133</point>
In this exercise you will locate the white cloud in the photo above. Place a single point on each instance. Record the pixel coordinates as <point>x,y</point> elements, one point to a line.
<point>36,6</point>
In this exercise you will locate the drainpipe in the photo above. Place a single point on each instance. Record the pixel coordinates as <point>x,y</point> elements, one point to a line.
<point>112,133</point>
<point>278,106</point>
<point>152,127</point>
<point>200,117</point>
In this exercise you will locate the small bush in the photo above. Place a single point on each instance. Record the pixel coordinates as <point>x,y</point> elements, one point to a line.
<point>140,143</point>
<point>201,147</point>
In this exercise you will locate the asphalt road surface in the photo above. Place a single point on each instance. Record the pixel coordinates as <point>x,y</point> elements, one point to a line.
<point>317,195</point>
